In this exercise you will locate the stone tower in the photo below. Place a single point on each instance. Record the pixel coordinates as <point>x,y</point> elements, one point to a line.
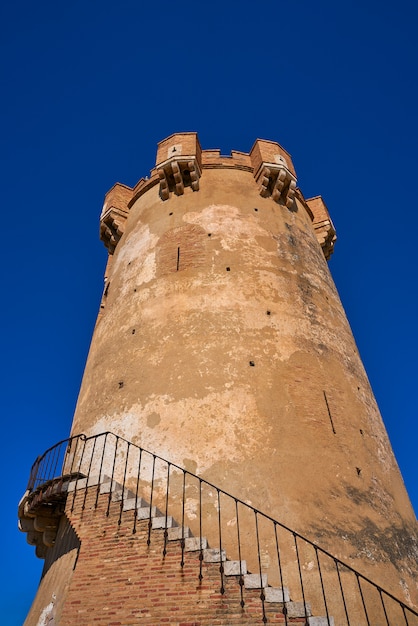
<point>221,347</point>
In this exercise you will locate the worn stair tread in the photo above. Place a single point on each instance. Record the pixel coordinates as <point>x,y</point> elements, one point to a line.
<point>178,532</point>
<point>255,581</point>
<point>145,512</point>
<point>299,609</point>
<point>192,544</point>
<point>235,568</point>
<point>276,594</point>
<point>214,555</point>
<point>134,503</point>
<point>321,621</point>
<point>162,522</point>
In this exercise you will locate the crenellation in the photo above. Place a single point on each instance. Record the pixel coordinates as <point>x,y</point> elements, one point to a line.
<point>322,223</point>
<point>114,213</point>
<point>266,152</point>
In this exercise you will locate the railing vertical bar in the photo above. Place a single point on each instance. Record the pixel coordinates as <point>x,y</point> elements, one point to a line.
<point>241,578</point>
<point>41,471</point>
<point>166,510</point>
<point>221,563</point>
<point>300,575</point>
<point>362,599</point>
<point>46,465</point>
<point>88,474</point>
<point>137,491</point>
<point>125,469</point>
<point>79,467</point>
<point>200,532</point>
<point>57,459</point>
<point>262,596</point>
<point>99,482</point>
<point>73,441</point>
<point>342,591</point>
<point>182,542</point>
<point>279,561</point>
<point>51,462</point>
<point>151,498</point>
<point>112,476</point>
<point>384,608</point>
<point>322,585</point>
<point>66,455</point>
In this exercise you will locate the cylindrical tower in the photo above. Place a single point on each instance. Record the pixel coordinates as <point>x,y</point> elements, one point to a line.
<point>222,346</point>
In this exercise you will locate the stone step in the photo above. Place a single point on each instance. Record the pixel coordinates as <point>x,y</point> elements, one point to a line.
<point>112,486</point>
<point>178,532</point>
<point>321,621</point>
<point>298,609</point>
<point>192,544</point>
<point>162,522</point>
<point>214,555</point>
<point>82,483</point>
<point>255,581</point>
<point>276,594</point>
<point>144,512</point>
<point>134,503</point>
<point>235,568</point>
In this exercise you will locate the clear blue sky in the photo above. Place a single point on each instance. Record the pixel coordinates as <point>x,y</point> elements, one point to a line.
<point>89,88</point>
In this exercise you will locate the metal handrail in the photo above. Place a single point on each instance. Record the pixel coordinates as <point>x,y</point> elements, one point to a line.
<point>146,474</point>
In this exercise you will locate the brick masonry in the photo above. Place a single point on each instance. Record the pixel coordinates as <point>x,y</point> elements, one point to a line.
<point>119,580</point>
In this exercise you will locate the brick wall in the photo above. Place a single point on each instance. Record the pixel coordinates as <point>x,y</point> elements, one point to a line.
<point>120,580</point>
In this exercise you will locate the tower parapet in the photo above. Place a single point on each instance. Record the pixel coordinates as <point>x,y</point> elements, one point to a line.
<point>179,165</point>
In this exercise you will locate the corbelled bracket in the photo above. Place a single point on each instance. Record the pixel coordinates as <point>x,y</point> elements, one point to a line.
<point>176,174</point>
<point>114,213</point>
<point>112,226</point>
<point>322,223</point>
<point>273,171</point>
<point>179,164</point>
<point>277,181</point>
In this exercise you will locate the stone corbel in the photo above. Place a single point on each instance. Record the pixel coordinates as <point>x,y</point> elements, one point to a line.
<point>112,226</point>
<point>176,174</point>
<point>278,182</point>
<point>326,236</point>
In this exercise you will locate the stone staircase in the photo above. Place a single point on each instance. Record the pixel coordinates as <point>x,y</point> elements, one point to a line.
<point>39,514</point>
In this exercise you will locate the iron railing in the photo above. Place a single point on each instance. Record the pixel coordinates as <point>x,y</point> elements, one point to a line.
<point>322,582</point>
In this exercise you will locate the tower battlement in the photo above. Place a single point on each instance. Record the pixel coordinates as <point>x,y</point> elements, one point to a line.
<point>180,165</point>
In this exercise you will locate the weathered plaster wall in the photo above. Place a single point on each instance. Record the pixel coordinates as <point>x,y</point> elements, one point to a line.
<point>222,346</point>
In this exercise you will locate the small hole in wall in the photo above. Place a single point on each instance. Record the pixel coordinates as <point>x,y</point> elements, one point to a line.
<point>209,234</point>
<point>228,269</point>
<point>358,470</point>
<point>133,331</point>
<point>252,364</point>
<point>268,312</point>
<point>255,209</point>
<point>361,432</point>
<point>129,263</point>
<point>135,289</point>
<point>171,213</point>
<point>120,384</point>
